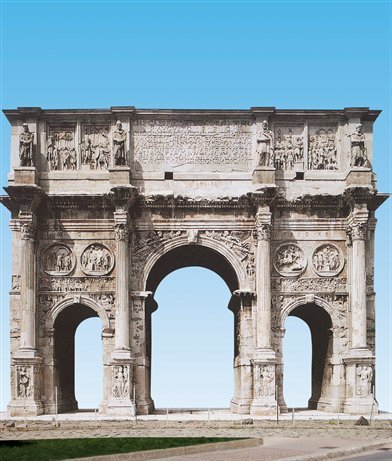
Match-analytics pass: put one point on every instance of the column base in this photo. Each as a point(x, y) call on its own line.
point(240, 406)
point(145, 407)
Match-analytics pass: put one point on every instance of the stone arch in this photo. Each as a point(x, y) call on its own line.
point(321, 319)
point(307, 299)
point(64, 319)
point(81, 300)
point(225, 252)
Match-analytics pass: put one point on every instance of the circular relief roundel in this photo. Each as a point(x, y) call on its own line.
point(327, 260)
point(289, 260)
point(58, 259)
point(97, 259)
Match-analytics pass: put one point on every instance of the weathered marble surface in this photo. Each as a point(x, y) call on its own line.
point(105, 203)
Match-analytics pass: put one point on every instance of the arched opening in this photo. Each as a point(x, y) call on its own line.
point(65, 326)
point(320, 325)
point(177, 297)
point(297, 346)
point(88, 364)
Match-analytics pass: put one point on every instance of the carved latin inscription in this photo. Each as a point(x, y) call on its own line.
point(184, 142)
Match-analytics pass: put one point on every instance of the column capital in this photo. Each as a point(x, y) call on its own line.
point(358, 225)
point(246, 296)
point(28, 225)
point(263, 225)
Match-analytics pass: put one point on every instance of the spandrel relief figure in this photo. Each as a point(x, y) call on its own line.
point(289, 260)
point(358, 149)
point(265, 145)
point(364, 380)
point(322, 151)
point(120, 387)
point(60, 150)
point(119, 138)
point(58, 260)
point(24, 383)
point(26, 146)
point(327, 260)
point(97, 260)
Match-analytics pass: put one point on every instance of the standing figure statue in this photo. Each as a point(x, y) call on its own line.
point(358, 150)
point(119, 138)
point(265, 145)
point(26, 146)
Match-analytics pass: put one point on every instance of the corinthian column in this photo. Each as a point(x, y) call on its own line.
point(263, 280)
point(122, 323)
point(358, 232)
point(28, 283)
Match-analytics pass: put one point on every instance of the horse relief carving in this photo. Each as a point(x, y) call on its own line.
point(289, 260)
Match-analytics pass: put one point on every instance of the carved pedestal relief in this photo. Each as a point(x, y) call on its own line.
point(24, 381)
point(122, 381)
point(264, 381)
point(364, 380)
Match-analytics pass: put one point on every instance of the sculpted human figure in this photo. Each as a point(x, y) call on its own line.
point(24, 382)
point(26, 146)
point(265, 143)
point(358, 150)
point(364, 380)
point(119, 138)
point(52, 154)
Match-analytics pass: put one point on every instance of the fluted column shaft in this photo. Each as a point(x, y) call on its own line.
point(263, 280)
point(122, 323)
point(358, 286)
point(28, 287)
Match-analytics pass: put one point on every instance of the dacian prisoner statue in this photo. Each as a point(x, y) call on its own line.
point(105, 203)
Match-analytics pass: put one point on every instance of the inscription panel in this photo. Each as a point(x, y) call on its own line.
point(193, 145)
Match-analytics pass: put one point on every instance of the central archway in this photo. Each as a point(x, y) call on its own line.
point(190, 256)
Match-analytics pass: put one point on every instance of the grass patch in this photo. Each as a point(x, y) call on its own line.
point(57, 449)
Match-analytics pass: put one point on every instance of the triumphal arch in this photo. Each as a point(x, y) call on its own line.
point(106, 202)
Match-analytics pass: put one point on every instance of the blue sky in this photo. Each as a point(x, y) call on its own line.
point(202, 55)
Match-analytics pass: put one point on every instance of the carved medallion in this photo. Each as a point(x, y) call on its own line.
point(97, 259)
point(58, 259)
point(289, 260)
point(327, 260)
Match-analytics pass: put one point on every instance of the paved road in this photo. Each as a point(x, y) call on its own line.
point(379, 455)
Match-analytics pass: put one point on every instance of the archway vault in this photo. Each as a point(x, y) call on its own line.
point(208, 253)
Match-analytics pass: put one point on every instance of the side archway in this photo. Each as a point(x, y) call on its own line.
point(319, 316)
point(64, 319)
